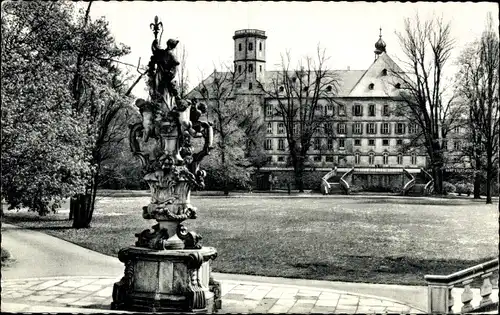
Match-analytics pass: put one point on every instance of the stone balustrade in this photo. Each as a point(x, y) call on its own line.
point(442, 297)
point(408, 184)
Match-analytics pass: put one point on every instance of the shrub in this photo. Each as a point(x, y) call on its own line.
point(464, 188)
point(355, 188)
point(448, 188)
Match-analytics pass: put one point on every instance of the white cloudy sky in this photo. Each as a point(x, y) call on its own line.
point(347, 31)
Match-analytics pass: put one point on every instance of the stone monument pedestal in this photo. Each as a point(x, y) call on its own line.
point(167, 281)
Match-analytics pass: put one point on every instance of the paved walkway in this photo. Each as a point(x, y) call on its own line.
point(94, 293)
point(52, 275)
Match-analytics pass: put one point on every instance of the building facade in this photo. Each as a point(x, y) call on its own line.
point(367, 131)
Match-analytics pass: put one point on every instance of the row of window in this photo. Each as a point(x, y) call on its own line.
point(357, 128)
point(250, 46)
point(268, 144)
point(250, 68)
point(357, 158)
point(357, 110)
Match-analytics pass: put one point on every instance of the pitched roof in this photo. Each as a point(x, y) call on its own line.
point(350, 83)
point(383, 84)
point(345, 79)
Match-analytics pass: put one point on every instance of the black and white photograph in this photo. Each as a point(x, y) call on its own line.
point(250, 157)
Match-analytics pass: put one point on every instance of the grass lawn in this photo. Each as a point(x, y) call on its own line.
point(378, 240)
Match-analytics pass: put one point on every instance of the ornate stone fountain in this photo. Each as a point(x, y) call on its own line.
point(168, 269)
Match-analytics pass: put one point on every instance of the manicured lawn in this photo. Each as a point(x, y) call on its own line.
point(347, 239)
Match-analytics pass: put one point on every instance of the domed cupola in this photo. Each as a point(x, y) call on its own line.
point(379, 45)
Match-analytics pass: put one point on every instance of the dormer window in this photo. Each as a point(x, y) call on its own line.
point(384, 72)
point(371, 86)
point(329, 88)
point(398, 85)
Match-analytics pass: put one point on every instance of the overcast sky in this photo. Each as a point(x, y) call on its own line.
point(348, 31)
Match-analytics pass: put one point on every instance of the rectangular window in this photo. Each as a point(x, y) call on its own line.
point(400, 128)
point(412, 128)
point(269, 110)
point(445, 145)
point(399, 142)
point(385, 142)
point(239, 70)
point(357, 128)
point(414, 159)
point(341, 128)
point(316, 143)
point(371, 142)
point(317, 158)
point(281, 144)
point(238, 84)
point(341, 110)
point(250, 86)
point(371, 110)
point(357, 110)
point(341, 143)
point(385, 110)
point(296, 129)
point(328, 128)
point(400, 159)
point(385, 129)
point(239, 47)
point(268, 145)
point(329, 108)
point(270, 128)
point(250, 68)
point(356, 158)
point(281, 159)
point(269, 159)
point(260, 46)
point(370, 128)
point(250, 46)
point(281, 128)
point(329, 144)
point(260, 68)
point(329, 158)
point(357, 142)
point(386, 159)
point(457, 145)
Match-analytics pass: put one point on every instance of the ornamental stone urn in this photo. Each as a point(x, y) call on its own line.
point(168, 270)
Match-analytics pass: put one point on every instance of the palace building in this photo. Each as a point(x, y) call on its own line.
point(367, 130)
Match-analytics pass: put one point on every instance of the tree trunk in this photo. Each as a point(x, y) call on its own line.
point(489, 175)
point(477, 185)
point(82, 210)
point(71, 209)
point(437, 175)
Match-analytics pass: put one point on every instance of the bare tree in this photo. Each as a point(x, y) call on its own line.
point(427, 46)
point(478, 86)
point(182, 71)
point(298, 97)
point(228, 113)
